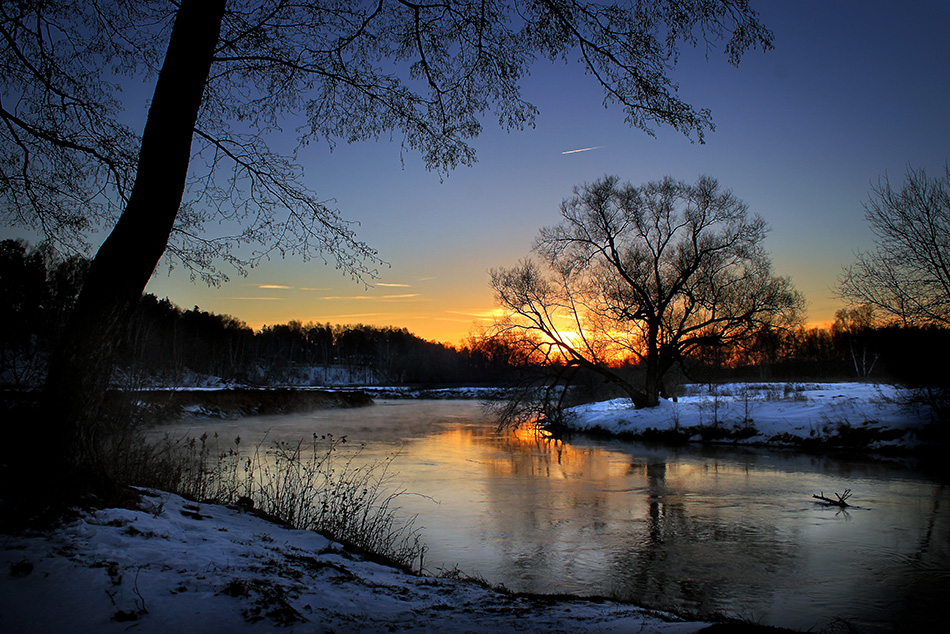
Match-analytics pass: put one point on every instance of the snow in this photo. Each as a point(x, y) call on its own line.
point(460, 393)
point(176, 566)
point(767, 413)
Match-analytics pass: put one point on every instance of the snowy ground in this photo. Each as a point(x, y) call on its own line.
point(175, 566)
point(874, 416)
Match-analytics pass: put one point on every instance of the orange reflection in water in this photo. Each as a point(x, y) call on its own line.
point(523, 451)
point(697, 529)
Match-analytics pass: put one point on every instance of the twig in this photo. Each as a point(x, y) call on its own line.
point(841, 501)
point(135, 587)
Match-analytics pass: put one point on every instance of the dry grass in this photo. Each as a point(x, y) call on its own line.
point(319, 485)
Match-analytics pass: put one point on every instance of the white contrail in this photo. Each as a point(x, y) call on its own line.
point(583, 149)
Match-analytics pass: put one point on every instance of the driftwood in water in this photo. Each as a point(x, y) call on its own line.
point(841, 501)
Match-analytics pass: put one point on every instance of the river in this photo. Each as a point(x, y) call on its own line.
point(696, 530)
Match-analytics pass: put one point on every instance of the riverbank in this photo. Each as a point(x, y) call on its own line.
point(854, 416)
point(177, 560)
point(246, 401)
point(168, 564)
point(162, 404)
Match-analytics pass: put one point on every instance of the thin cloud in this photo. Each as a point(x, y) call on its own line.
point(312, 288)
point(373, 297)
point(265, 299)
point(354, 316)
point(480, 314)
point(392, 285)
point(583, 149)
point(468, 316)
point(280, 286)
point(454, 320)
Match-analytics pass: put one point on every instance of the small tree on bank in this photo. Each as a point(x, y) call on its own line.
point(855, 326)
point(650, 274)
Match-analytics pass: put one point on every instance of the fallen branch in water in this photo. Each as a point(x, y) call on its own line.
point(839, 502)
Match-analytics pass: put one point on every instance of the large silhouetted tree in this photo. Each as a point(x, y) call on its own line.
point(906, 278)
point(229, 75)
point(652, 273)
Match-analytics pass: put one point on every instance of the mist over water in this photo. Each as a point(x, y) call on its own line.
point(695, 530)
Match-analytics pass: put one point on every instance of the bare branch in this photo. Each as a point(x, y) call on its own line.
point(907, 276)
point(654, 273)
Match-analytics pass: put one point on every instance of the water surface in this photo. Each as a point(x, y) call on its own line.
point(700, 531)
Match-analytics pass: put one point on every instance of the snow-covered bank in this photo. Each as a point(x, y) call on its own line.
point(446, 393)
point(873, 416)
point(175, 566)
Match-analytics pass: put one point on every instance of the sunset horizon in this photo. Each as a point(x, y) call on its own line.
point(802, 134)
point(475, 316)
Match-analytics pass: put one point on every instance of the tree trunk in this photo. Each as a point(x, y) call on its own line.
point(81, 366)
point(638, 397)
point(651, 385)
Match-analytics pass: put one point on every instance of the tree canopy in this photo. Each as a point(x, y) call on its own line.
point(230, 77)
point(906, 278)
point(426, 73)
point(651, 274)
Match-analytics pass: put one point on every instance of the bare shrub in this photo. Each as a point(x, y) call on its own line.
point(311, 485)
point(794, 392)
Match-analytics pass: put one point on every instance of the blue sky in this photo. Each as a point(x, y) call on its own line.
point(853, 90)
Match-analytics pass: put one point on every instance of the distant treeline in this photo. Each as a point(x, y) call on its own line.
point(166, 341)
point(852, 348)
point(165, 344)
point(37, 290)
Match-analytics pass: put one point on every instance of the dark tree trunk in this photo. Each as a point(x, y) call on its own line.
point(81, 366)
point(651, 385)
point(639, 398)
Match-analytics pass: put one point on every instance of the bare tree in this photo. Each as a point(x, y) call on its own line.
point(651, 273)
point(230, 75)
point(906, 278)
point(855, 325)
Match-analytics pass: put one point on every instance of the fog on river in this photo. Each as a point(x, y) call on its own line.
point(696, 530)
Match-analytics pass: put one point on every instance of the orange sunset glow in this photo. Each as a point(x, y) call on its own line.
point(451, 316)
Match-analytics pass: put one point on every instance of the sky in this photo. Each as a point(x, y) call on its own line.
point(852, 91)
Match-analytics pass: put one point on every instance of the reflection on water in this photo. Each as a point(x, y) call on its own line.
point(695, 530)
